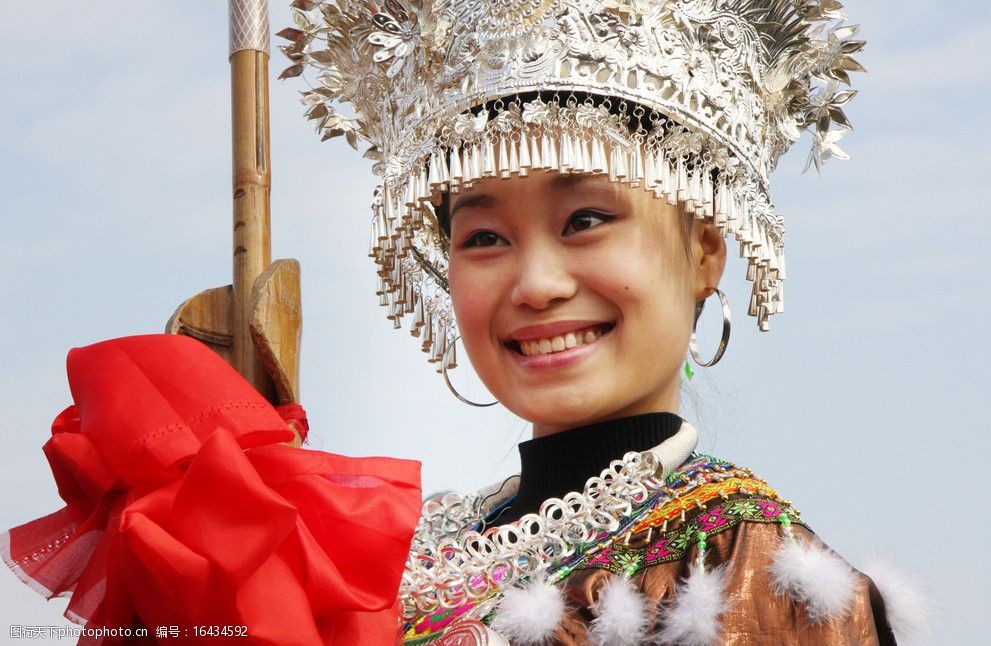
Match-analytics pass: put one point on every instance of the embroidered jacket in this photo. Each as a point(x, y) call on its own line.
point(739, 524)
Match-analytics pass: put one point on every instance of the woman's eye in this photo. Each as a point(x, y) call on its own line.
point(482, 239)
point(582, 220)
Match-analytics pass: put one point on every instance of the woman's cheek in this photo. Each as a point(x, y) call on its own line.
point(469, 304)
point(474, 311)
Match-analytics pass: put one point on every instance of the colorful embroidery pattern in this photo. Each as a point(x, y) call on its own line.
point(706, 495)
point(711, 496)
point(431, 626)
point(675, 544)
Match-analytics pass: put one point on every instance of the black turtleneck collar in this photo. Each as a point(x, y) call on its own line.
point(553, 465)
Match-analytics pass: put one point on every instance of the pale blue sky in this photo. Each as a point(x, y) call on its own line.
point(862, 404)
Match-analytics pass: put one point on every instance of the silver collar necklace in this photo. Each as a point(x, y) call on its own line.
point(451, 562)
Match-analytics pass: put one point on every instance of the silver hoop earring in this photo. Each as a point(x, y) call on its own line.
point(447, 380)
point(693, 348)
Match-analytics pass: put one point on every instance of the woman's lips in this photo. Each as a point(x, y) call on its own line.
point(543, 353)
point(560, 342)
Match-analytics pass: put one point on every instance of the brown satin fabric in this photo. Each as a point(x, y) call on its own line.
point(754, 615)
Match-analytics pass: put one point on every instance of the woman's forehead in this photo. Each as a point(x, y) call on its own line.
point(493, 191)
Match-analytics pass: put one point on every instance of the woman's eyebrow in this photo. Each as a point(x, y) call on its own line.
point(482, 199)
point(565, 182)
point(590, 186)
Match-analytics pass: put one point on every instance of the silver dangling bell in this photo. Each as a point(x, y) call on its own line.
point(525, 162)
point(536, 159)
point(488, 162)
point(456, 172)
point(566, 154)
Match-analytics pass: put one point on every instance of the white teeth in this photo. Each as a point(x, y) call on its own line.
point(559, 343)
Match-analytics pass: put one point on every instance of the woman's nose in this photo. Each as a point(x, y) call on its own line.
point(542, 277)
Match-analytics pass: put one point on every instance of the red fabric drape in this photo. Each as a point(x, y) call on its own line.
point(184, 509)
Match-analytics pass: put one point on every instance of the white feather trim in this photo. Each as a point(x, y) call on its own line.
point(909, 607)
point(529, 616)
point(691, 618)
point(815, 577)
point(621, 614)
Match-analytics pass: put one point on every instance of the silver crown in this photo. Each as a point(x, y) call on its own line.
point(694, 100)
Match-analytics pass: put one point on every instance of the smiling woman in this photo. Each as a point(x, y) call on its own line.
point(589, 295)
point(557, 181)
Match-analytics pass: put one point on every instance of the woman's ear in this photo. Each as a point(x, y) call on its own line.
point(710, 257)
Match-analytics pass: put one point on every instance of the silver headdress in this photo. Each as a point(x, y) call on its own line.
point(694, 100)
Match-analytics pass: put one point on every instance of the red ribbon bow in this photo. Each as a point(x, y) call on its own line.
point(184, 509)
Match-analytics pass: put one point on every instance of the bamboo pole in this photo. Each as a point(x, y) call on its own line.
point(255, 323)
point(252, 248)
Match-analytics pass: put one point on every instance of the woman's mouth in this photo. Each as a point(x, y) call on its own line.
point(561, 342)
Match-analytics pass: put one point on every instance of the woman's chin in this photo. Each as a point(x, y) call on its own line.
point(559, 412)
point(554, 409)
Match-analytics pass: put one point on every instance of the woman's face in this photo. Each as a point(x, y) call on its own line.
point(575, 296)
